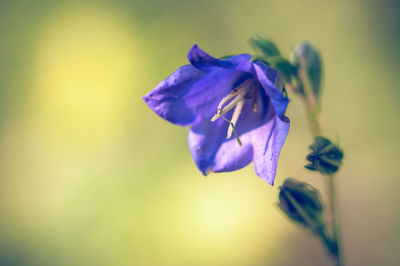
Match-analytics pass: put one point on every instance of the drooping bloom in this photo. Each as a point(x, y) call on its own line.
point(235, 108)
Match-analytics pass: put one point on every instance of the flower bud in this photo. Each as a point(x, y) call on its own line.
point(325, 157)
point(302, 204)
point(307, 58)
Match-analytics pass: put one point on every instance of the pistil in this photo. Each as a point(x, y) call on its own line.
point(235, 117)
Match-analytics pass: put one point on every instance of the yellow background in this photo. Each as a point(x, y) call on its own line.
point(90, 176)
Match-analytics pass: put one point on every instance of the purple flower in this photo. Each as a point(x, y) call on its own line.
point(219, 97)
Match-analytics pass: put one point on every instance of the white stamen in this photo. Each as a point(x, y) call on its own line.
point(242, 93)
point(230, 106)
point(226, 98)
point(235, 118)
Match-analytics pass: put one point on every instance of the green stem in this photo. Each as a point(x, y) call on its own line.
point(316, 127)
point(335, 219)
point(315, 120)
point(329, 244)
point(334, 243)
point(314, 116)
point(310, 103)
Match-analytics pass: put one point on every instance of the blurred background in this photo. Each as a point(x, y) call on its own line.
point(90, 176)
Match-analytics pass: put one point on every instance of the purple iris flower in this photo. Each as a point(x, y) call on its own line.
point(235, 108)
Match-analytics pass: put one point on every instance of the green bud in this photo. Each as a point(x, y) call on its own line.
point(325, 157)
point(307, 58)
point(302, 204)
point(265, 46)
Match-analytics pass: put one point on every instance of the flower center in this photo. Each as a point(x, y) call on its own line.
point(237, 98)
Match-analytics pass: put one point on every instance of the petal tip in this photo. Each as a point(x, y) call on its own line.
point(146, 98)
point(208, 171)
point(203, 61)
point(268, 178)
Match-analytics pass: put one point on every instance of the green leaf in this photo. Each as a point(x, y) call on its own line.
point(265, 46)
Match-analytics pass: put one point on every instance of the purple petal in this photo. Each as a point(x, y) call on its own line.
point(269, 79)
point(201, 60)
point(212, 152)
point(210, 149)
point(205, 94)
point(267, 76)
point(268, 142)
point(204, 140)
point(167, 98)
point(189, 93)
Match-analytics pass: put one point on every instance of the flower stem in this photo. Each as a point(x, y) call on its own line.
point(327, 242)
point(335, 219)
point(314, 116)
point(332, 243)
point(329, 238)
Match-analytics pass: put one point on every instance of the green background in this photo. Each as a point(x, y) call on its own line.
point(90, 176)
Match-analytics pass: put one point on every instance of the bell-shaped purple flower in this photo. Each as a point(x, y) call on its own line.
point(219, 99)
